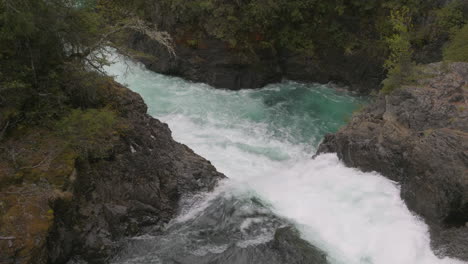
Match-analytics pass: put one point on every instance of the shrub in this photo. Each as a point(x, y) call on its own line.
point(457, 49)
point(91, 132)
point(399, 63)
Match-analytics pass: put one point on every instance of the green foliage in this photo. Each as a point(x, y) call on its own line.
point(399, 63)
point(48, 61)
point(193, 43)
point(300, 25)
point(84, 88)
point(311, 27)
point(91, 132)
point(450, 17)
point(457, 49)
point(35, 37)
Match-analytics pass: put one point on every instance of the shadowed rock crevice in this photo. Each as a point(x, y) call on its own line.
point(458, 217)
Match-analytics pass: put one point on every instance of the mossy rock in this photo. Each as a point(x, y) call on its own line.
point(26, 218)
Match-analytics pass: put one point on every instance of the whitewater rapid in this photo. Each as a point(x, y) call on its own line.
point(263, 140)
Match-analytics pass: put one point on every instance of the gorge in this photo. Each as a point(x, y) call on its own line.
point(233, 132)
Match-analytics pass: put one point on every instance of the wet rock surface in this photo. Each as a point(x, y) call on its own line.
point(418, 136)
point(229, 230)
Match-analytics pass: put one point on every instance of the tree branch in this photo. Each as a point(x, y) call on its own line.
point(136, 24)
point(37, 165)
point(2, 133)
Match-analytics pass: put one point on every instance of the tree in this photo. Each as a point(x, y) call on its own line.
point(399, 63)
point(457, 49)
point(44, 43)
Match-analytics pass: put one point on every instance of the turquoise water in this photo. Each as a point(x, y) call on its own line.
point(263, 140)
point(296, 112)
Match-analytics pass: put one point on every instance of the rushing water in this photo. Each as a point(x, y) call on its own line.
point(263, 140)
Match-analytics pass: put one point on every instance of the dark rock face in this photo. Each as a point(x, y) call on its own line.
point(418, 136)
point(361, 71)
point(212, 61)
point(136, 188)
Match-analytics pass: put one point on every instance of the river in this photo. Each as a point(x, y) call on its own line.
point(264, 140)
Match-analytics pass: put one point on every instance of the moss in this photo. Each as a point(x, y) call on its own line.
point(35, 156)
point(428, 132)
point(25, 215)
point(421, 72)
point(193, 43)
point(90, 132)
point(57, 173)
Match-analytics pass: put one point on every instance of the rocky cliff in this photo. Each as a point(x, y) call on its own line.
point(202, 55)
point(212, 61)
point(418, 137)
point(249, 44)
point(79, 209)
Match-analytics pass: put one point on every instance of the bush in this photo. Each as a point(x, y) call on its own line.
point(457, 49)
point(91, 132)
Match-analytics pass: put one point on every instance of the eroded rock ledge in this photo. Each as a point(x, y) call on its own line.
point(418, 136)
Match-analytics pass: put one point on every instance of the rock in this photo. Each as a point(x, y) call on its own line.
point(214, 63)
point(230, 230)
point(201, 57)
point(68, 209)
point(205, 55)
point(418, 136)
point(360, 72)
point(293, 249)
point(211, 62)
point(128, 191)
point(286, 247)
